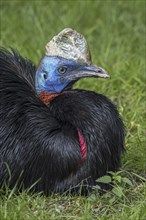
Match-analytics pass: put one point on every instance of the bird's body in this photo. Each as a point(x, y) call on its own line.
point(43, 144)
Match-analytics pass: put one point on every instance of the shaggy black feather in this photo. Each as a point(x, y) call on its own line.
point(40, 144)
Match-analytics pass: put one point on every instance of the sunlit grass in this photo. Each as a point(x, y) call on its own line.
point(115, 33)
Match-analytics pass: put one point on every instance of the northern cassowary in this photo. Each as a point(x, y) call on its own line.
point(51, 135)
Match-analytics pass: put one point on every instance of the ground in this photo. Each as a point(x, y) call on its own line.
point(115, 32)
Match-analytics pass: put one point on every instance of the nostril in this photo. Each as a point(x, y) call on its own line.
point(100, 71)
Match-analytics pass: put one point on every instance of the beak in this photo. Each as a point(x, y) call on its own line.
point(87, 71)
point(92, 71)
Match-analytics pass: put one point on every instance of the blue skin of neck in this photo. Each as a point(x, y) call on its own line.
point(48, 75)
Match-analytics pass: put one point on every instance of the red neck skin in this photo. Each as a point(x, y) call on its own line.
point(46, 98)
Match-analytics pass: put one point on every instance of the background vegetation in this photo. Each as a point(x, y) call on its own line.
point(115, 32)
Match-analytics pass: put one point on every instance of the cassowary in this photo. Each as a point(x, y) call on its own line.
point(51, 135)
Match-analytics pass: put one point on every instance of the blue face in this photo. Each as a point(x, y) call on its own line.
point(55, 74)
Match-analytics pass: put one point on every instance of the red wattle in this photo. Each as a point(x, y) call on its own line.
point(82, 145)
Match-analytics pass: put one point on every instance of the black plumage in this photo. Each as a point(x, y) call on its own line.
point(40, 144)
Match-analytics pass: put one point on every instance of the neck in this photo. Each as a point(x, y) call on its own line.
point(46, 98)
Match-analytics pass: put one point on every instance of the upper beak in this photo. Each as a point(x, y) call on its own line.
point(88, 71)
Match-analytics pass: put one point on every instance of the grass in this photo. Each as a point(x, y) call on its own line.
point(115, 32)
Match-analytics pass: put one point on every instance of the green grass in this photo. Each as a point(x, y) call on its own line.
point(115, 31)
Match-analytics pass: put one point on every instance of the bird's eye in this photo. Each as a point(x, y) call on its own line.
point(45, 76)
point(62, 69)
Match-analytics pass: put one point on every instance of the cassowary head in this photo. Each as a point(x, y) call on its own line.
point(67, 60)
